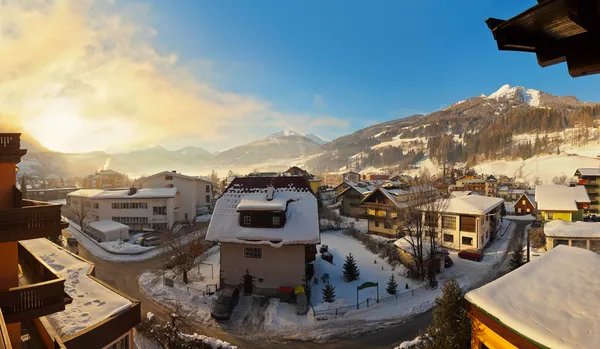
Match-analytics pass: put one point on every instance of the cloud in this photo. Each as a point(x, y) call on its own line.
point(79, 76)
point(318, 100)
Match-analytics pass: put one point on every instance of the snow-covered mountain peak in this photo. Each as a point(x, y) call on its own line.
point(529, 96)
point(283, 133)
point(316, 138)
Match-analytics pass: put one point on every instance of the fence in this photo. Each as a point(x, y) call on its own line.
point(341, 311)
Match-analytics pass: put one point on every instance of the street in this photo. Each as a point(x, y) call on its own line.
point(124, 276)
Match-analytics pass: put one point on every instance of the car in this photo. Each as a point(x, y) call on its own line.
point(472, 254)
point(225, 304)
point(151, 241)
point(448, 262)
point(139, 240)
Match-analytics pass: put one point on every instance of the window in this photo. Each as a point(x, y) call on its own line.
point(449, 222)
point(467, 241)
point(376, 224)
point(558, 242)
point(207, 199)
point(276, 220)
point(431, 219)
point(595, 245)
point(387, 225)
point(96, 205)
point(528, 210)
point(482, 239)
point(522, 202)
point(579, 243)
point(168, 178)
point(448, 238)
point(122, 343)
point(159, 210)
point(252, 252)
point(247, 220)
point(518, 210)
point(550, 216)
point(208, 188)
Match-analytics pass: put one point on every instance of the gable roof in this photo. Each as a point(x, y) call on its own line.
point(587, 172)
point(301, 223)
point(174, 174)
point(528, 198)
point(472, 204)
point(553, 197)
point(86, 193)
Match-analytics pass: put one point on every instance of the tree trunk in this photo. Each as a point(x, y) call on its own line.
point(185, 276)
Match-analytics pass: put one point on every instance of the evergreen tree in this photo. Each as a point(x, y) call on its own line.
point(350, 269)
point(502, 210)
point(451, 327)
point(516, 259)
point(392, 286)
point(328, 293)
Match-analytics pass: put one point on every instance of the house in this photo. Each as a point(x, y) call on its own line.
point(469, 221)
point(48, 194)
point(525, 205)
point(407, 253)
point(351, 176)
point(576, 234)
point(45, 301)
point(374, 177)
point(268, 229)
point(551, 302)
point(513, 194)
point(195, 192)
point(340, 188)
point(314, 182)
point(105, 179)
point(351, 199)
point(408, 180)
point(485, 187)
point(561, 202)
point(148, 208)
point(491, 184)
point(589, 178)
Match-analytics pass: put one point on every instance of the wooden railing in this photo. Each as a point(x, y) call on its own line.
point(10, 143)
point(34, 220)
point(43, 296)
point(4, 340)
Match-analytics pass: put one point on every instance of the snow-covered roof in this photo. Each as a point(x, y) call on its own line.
point(108, 172)
point(87, 193)
point(301, 223)
point(92, 301)
point(553, 300)
point(108, 226)
point(588, 171)
point(554, 197)
point(145, 193)
point(559, 228)
point(174, 174)
point(528, 197)
point(259, 202)
point(472, 204)
point(461, 193)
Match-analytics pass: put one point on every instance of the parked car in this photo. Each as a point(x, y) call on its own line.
point(151, 241)
point(448, 261)
point(225, 304)
point(139, 240)
point(472, 254)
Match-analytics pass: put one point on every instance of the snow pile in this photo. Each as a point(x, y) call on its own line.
point(213, 342)
point(520, 218)
point(203, 218)
point(92, 302)
point(559, 228)
point(410, 344)
point(552, 300)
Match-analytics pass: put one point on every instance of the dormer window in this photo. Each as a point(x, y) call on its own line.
point(276, 220)
point(247, 220)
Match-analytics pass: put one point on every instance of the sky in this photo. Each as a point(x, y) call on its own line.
point(118, 75)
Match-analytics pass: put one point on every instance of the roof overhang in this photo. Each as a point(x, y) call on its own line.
point(556, 31)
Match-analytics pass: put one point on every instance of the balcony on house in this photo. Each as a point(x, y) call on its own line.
point(4, 340)
point(41, 290)
point(30, 220)
point(10, 147)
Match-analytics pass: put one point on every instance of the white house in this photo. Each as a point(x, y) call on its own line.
point(108, 230)
point(195, 192)
point(576, 234)
point(144, 208)
point(268, 228)
point(469, 221)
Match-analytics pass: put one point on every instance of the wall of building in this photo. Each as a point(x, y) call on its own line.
point(480, 238)
point(381, 229)
point(284, 266)
point(484, 335)
point(565, 216)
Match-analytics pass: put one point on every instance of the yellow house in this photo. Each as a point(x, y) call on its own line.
point(380, 207)
point(561, 202)
point(551, 302)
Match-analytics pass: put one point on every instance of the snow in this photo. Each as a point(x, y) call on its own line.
point(560, 228)
point(58, 201)
point(530, 96)
point(409, 344)
point(554, 197)
point(520, 218)
point(86, 193)
point(145, 193)
point(92, 302)
point(259, 202)
point(471, 204)
point(301, 223)
point(124, 247)
point(589, 171)
point(552, 300)
point(204, 218)
point(399, 142)
point(461, 193)
point(108, 226)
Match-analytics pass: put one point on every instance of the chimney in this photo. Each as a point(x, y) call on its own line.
point(270, 192)
point(132, 191)
point(174, 171)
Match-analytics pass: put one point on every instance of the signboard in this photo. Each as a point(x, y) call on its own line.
point(366, 285)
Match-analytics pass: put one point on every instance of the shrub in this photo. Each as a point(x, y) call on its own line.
point(537, 238)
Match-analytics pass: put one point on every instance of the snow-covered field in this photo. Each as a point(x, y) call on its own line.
point(124, 247)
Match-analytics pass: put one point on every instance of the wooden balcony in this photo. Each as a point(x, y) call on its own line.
point(41, 291)
point(10, 147)
point(4, 340)
point(34, 220)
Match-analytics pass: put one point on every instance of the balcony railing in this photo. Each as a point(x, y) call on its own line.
point(10, 147)
point(34, 220)
point(4, 340)
point(42, 292)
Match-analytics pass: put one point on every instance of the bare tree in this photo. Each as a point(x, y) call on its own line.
point(417, 221)
point(184, 251)
point(81, 209)
point(562, 180)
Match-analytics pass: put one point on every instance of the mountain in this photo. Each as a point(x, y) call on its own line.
point(317, 139)
point(280, 145)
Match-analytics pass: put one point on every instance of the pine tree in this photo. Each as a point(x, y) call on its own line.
point(350, 269)
point(451, 326)
point(392, 286)
point(328, 293)
point(516, 259)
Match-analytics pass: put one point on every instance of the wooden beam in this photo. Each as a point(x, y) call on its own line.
point(585, 13)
